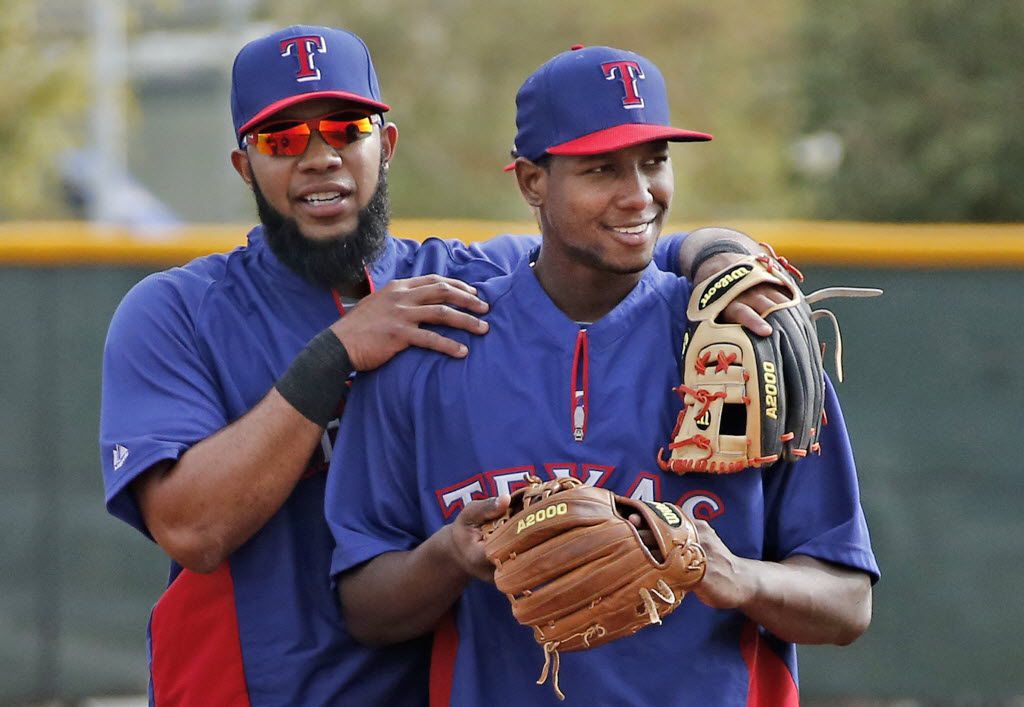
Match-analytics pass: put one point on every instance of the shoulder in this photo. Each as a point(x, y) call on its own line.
point(670, 289)
point(496, 292)
point(470, 262)
point(666, 252)
point(411, 366)
point(505, 247)
point(174, 297)
point(393, 386)
point(176, 288)
point(496, 289)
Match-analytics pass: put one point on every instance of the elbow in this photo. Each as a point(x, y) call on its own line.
point(857, 621)
point(203, 563)
point(849, 634)
point(195, 551)
point(362, 620)
point(853, 630)
point(367, 633)
point(365, 630)
point(378, 633)
point(193, 535)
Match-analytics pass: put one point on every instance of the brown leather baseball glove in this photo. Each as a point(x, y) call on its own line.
point(577, 570)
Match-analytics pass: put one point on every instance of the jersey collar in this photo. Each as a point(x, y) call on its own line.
point(538, 306)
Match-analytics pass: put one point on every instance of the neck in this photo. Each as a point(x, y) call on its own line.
point(353, 290)
point(583, 293)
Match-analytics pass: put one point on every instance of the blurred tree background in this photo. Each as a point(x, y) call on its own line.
point(451, 69)
point(851, 109)
point(927, 97)
point(42, 101)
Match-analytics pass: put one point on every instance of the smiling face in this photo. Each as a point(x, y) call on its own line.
point(602, 212)
point(324, 188)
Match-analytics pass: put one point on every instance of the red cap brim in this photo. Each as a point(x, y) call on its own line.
point(302, 98)
point(620, 136)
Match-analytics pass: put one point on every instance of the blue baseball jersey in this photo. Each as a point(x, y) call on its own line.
point(190, 350)
point(542, 395)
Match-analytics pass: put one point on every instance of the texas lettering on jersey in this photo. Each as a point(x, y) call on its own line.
point(646, 486)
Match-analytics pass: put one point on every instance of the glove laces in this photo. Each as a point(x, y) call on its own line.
point(663, 592)
point(703, 396)
point(552, 660)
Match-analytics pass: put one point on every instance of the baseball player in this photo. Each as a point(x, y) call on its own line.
point(575, 379)
point(223, 382)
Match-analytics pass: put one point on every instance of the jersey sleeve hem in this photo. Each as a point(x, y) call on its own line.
point(854, 557)
point(666, 253)
point(352, 549)
point(121, 503)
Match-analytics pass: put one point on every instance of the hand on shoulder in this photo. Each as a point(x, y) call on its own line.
point(388, 321)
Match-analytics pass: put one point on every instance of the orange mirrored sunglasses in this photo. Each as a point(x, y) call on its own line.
point(290, 138)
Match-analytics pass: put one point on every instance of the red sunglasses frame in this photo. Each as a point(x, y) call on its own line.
point(278, 142)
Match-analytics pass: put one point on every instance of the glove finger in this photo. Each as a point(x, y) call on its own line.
point(581, 587)
point(797, 381)
point(536, 566)
point(544, 520)
point(815, 374)
point(817, 369)
point(771, 383)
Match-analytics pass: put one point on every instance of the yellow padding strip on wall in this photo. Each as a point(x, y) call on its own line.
point(58, 244)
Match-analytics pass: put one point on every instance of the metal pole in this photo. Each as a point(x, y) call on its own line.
point(109, 57)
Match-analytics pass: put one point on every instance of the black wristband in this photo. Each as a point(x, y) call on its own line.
point(315, 382)
point(711, 250)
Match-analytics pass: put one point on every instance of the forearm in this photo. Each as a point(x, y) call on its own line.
point(398, 596)
point(227, 486)
point(804, 600)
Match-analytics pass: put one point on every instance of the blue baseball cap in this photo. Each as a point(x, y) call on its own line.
point(297, 64)
point(590, 100)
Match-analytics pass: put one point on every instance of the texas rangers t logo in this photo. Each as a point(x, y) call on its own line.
point(627, 72)
point(304, 48)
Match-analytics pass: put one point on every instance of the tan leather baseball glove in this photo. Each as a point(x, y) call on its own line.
point(749, 400)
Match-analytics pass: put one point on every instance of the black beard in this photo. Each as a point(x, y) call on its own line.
point(339, 260)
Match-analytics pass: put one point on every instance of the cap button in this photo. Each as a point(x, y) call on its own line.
point(576, 47)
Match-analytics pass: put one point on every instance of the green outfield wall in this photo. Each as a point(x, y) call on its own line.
point(932, 398)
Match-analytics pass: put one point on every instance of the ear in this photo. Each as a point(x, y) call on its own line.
point(240, 161)
point(533, 181)
point(388, 141)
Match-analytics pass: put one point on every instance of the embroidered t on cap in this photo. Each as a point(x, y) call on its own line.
point(297, 64)
point(591, 100)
